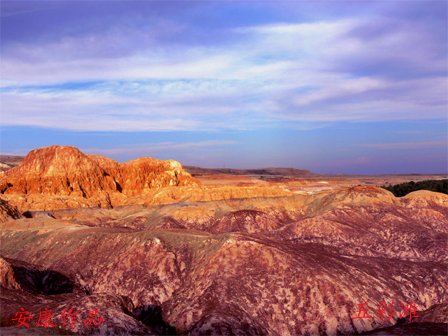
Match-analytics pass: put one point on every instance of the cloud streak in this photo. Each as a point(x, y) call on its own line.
point(159, 147)
point(408, 145)
point(136, 74)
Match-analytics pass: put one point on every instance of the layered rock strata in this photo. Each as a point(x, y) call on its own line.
point(172, 256)
point(66, 171)
point(294, 265)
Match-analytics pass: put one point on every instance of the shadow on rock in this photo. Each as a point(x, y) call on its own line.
point(44, 282)
point(151, 315)
point(37, 214)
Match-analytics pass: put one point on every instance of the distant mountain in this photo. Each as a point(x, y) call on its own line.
point(10, 161)
point(260, 171)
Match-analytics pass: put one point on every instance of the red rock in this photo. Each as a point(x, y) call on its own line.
point(58, 170)
point(143, 175)
point(7, 276)
point(285, 265)
point(116, 312)
point(237, 282)
point(8, 211)
point(66, 171)
point(26, 286)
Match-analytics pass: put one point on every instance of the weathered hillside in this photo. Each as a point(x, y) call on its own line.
point(290, 265)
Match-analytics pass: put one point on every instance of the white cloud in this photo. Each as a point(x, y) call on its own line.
point(276, 73)
point(158, 147)
point(408, 145)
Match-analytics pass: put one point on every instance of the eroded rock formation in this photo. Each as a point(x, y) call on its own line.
point(66, 171)
point(8, 211)
point(291, 265)
point(175, 257)
point(62, 177)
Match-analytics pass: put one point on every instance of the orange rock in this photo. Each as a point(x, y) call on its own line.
point(142, 175)
point(7, 275)
point(8, 211)
point(66, 171)
point(57, 170)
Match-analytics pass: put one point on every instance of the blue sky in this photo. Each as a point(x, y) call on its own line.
point(354, 87)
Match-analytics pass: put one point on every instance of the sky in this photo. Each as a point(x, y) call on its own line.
point(351, 87)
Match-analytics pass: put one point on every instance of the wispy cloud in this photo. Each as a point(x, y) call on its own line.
point(19, 152)
point(408, 145)
point(152, 76)
point(148, 149)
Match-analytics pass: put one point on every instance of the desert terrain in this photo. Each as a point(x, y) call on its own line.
point(156, 248)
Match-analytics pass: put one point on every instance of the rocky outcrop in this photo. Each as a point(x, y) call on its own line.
point(168, 195)
point(17, 274)
point(116, 312)
point(66, 171)
point(237, 282)
point(8, 277)
point(26, 286)
point(142, 175)
point(58, 170)
point(8, 211)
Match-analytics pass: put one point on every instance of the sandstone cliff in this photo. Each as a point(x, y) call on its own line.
point(66, 171)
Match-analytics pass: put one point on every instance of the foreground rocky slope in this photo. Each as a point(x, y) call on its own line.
point(155, 252)
point(289, 265)
point(23, 285)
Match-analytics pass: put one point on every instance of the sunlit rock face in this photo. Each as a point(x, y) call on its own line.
point(172, 257)
point(66, 171)
point(8, 211)
point(58, 170)
point(145, 174)
point(7, 275)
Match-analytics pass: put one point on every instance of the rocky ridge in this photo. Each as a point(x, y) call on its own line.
point(66, 171)
point(290, 265)
point(260, 171)
point(194, 260)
